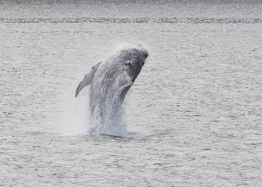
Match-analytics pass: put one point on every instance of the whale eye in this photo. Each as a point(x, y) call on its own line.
point(128, 62)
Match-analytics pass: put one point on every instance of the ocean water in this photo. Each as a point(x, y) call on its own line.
point(193, 115)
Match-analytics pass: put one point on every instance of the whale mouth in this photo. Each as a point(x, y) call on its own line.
point(144, 51)
point(145, 55)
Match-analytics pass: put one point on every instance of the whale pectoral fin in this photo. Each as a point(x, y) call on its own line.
point(87, 79)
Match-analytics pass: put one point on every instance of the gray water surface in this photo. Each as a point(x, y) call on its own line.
point(193, 114)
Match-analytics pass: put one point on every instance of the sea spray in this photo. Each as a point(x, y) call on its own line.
point(78, 122)
point(108, 120)
point(77, 117)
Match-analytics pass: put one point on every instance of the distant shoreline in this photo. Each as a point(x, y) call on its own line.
point(193, 20)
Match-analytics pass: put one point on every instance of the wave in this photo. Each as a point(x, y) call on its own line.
point(194, 20)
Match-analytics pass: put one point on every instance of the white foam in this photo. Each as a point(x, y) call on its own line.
point(77, 116)
point(110, 128)
point(76, 119)
point(111, 122)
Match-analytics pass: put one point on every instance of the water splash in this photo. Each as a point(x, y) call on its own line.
point(108, 120)
point(77, 118)
point(78, 122)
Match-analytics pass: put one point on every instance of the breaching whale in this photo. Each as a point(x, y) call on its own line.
point(109, 82)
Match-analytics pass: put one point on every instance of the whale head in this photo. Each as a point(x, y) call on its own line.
point(133, 58)
point(128, 59)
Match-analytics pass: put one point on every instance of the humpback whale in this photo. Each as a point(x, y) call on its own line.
point(109, 82)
